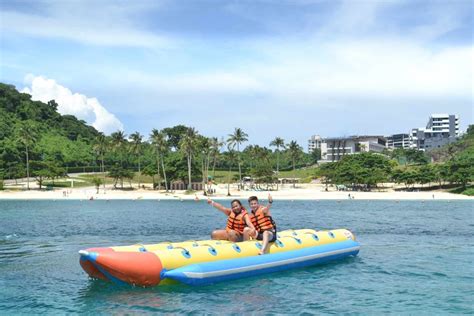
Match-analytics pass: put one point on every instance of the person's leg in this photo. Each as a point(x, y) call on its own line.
point(248, 232)
point(220, 234)
point(234, 236)
point(267, 235)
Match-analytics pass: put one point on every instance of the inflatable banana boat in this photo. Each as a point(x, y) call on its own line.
point(210, 261)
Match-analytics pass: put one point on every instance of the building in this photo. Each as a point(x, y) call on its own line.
point(314, 143)
point(398, 141)
point(441, 129)
point(333, 149)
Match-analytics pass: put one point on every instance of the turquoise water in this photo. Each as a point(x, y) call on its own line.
point(416, 257)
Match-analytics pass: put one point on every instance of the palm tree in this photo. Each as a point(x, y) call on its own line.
point(118, 142)
point(27, 136)
point(295, 153)
point(231, 156)
point(100, 147)
point(136, 148)
point(216, 148)
point(205, 148)
point(278, 142)
point(237, 139)
point(160, 143)
point(187, 145)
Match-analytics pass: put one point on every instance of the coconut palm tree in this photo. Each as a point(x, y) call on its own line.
point(205, 148)
point(160, 144)
point(231, 157)
point(136, 148)
point(236, 139)
point(118, 142)
point(187, 145)
point(295, 153)
point(216, 148)
point(100, 147)
point(27, 136)
point(278, 142)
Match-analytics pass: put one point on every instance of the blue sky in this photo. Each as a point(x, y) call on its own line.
point(274, 68)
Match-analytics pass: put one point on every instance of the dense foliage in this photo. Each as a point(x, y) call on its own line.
point(37, 141)
point(407, 166)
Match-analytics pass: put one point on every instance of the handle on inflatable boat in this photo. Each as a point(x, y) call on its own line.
point(293, 232)
point(314, 235)
point(236, 247)
point(295, 238)
point(185, 252)
point(142, 248)
point(211, 249)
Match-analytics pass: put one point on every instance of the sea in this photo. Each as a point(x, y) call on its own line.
point(416, 258)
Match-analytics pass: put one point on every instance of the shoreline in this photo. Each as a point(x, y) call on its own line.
point(307, 192)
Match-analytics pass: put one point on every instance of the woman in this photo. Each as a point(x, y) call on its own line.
point(237, 221)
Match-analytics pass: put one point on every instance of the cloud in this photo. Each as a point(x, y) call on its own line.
point(79, 105)
point(107, 25)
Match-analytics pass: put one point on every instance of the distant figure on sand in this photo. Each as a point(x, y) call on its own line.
point(237, 221)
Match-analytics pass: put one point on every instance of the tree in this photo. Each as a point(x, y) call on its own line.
point(100, 147)
point(136, 148)
point(216, 148)
point(278, 142)
point(97, 182)
point(27, 136)
point(263, 170)
point(231, 157)
point(118, 173)
point(236, 139)
point(187, 145)
point(295, 152)
point(174, 135)
point(118, 142)
point(316, 155)
point(461, 169)
point(327, 171)
point(160, 144)
point(426, 174)
point(205, 148)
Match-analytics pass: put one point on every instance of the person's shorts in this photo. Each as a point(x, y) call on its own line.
point(273, 231)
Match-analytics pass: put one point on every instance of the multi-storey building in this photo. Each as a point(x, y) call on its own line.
point(440, 130)
point(314, 143)
point(398, 141)
point(333, 149)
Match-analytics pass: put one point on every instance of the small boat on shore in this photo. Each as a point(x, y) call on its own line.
point(210, 261)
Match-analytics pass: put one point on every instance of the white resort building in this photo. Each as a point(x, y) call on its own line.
point(314, 143)
point(333, 149)
point(440, 130)
point(398, 141)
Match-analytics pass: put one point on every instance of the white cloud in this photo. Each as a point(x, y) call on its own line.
point(108, 25)
point(79, 105)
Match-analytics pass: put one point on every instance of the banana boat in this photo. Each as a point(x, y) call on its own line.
point(209, 261)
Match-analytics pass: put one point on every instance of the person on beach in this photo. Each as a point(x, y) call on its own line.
point(237, 221)
point(266, 230)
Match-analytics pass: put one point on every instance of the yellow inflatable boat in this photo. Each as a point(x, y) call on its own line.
point(208, 261)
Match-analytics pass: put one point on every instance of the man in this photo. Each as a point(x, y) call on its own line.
point(266, 230)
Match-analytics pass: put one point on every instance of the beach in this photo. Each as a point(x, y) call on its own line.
point(301, 192)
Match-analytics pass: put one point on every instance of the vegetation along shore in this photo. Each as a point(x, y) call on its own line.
point(45, 151)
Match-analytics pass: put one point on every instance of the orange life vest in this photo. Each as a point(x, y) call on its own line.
point(261, 221)
point(236, 221)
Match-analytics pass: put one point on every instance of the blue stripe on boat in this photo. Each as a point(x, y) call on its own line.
point(217, 271)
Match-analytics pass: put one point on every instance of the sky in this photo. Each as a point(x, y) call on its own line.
point(273, 68)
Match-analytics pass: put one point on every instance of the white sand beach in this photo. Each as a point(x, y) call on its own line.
point(301, 192)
